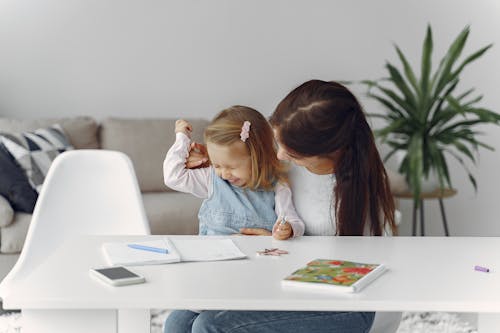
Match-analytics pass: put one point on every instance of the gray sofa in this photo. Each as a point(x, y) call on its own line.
point(145, 141)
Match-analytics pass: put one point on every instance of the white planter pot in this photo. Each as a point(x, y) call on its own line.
point(431, 183)
point(427, 184)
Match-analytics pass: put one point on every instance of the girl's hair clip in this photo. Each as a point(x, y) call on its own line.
point(244, 131)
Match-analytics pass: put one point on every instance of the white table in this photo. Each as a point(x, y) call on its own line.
point(425, 274)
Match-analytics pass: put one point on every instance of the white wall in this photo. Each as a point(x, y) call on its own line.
point(192, 58)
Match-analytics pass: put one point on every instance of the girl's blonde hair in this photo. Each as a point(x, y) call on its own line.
point(225, 129)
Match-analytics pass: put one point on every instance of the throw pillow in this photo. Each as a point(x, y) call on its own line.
point(14, 185)
point(35, 151)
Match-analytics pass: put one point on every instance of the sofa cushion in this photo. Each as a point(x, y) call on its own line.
point(172, 213)
point(81, 131)
point(35, 151)
point(13, 235)
point(146, 142)
point(6, 212)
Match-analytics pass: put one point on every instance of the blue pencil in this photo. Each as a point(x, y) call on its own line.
point(147, 248)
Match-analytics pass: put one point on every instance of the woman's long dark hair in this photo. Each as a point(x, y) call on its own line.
point(324, 119)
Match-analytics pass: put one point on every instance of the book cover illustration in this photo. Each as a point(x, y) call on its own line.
point(332, 272)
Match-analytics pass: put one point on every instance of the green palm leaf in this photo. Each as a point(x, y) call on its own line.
point(443, 77)
point(426, 64)
point(408, 71)
point(399, 81)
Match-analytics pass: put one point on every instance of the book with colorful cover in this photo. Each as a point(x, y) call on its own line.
point(334, 275)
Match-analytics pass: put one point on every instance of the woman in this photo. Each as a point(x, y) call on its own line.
point(339, 187)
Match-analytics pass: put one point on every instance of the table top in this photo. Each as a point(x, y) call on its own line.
point(425, 274)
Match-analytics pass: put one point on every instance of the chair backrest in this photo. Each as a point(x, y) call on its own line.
point(85, 192)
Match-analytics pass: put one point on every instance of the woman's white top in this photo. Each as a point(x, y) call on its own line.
point(313, 200)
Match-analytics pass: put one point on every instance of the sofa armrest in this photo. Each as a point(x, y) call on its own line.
point(14, 235)
point(6, 212)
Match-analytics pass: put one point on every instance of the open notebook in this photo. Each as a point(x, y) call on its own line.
point(203, 249)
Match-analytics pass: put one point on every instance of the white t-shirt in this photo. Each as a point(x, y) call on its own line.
point(312, 196)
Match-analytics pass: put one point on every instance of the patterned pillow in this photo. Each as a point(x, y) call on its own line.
point(14, 185)
point(35, 151)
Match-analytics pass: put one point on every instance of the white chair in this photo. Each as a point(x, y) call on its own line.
point(85, 192)
point(93, 192)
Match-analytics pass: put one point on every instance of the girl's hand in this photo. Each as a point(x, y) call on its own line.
point(198, 156)
point(282, 231)
point(255, 232)
point(182, 126)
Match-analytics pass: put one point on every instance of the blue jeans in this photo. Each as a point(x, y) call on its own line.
point(185, 321)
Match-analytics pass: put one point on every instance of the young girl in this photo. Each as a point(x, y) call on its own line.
point(245, 185)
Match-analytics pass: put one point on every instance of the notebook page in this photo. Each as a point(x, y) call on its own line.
point(207, 249)
point(120, 254)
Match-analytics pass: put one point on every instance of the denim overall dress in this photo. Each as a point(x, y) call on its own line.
point(230, 208)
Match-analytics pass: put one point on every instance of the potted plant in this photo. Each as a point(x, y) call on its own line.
point(427, 117)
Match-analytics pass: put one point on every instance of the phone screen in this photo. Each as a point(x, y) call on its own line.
point(115, 273)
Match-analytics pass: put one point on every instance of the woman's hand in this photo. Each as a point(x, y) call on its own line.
point(182, 126)
point(255, 232)
point(282, 231)
point(198, 156)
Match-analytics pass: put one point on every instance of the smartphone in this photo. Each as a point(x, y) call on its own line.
point(117, 275)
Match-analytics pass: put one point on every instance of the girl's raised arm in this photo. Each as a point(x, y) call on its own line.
point(180, 178)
